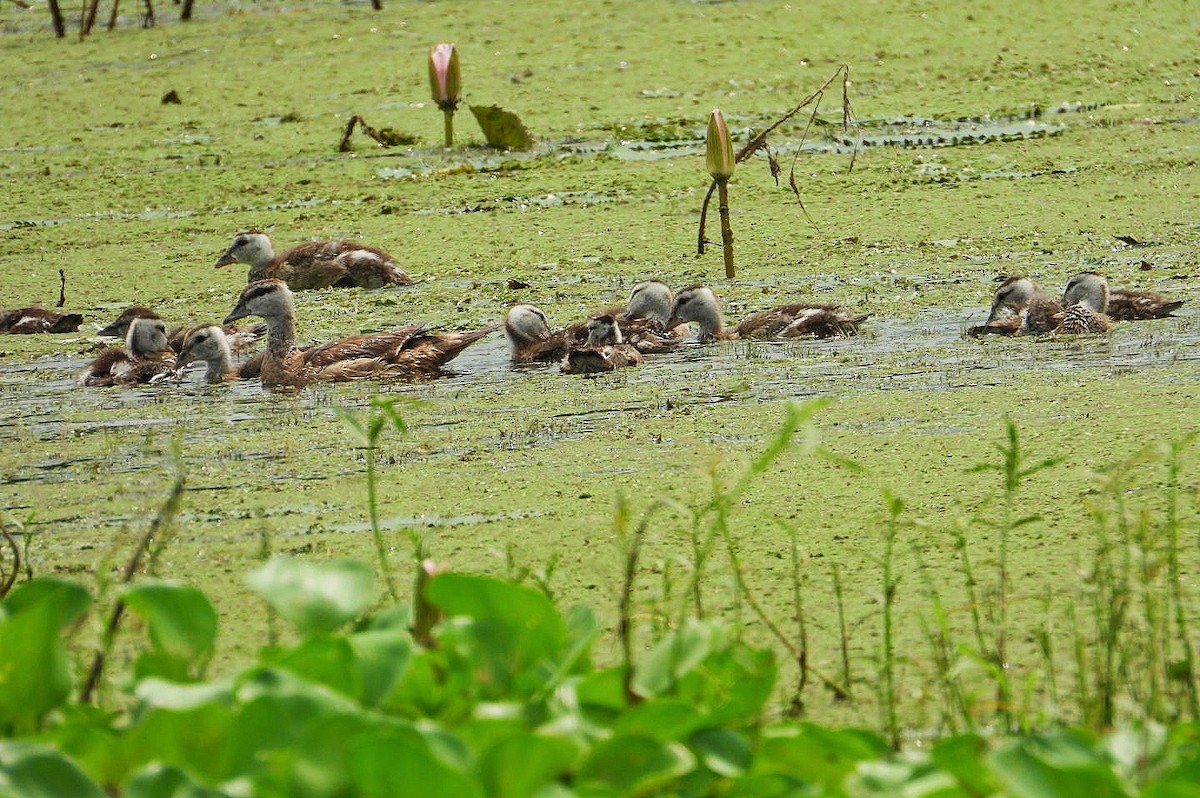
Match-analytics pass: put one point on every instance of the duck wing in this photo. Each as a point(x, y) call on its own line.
point(368, 267)
point(1132, 305)
point(821, 321)
point(383, 345)
point(100, 372)
point(427, 352)
point(597, 359)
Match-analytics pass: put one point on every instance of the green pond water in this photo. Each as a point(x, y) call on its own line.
point(995, 138)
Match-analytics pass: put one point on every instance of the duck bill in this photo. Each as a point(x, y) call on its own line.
point(111, 331)
point(226, 260)
point(239, 312)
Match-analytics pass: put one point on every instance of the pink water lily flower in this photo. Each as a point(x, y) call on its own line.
point(445, 77)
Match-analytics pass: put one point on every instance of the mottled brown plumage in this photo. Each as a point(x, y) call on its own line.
point(315, 264)
point(1131, 304)
point(1020, 307)
point(33, 320)
point(604, 350)
point(412, 352)
point(145, 358)
point(699, 304)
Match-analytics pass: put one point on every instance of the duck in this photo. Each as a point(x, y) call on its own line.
point(315, 264)
point(643, 321)
point(1084, 303)
point(698, 303)
point(412, 352)
point(1020, 307)
point(604, 350)
point(210, 344)
point(32, 320)
point(241, 338)
point(145, 358)
point(529, 337)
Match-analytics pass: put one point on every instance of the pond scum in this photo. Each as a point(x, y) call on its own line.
point(479, 686)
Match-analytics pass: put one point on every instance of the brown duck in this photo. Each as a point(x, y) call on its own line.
point(315, 264)
point(699, 304)
point(604, 350)
point(32, 320)
point(241, 338)
point(145, 358)
point(412, 352)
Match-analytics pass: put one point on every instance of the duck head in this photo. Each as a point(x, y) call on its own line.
point(251, 248)
point(525, 324)
point(651, 300)
point(119, 327)
point(602, 330)
point(270, 299)
point(146, 336)
point(698, 304)
point(208, 344)
point(1088, 289)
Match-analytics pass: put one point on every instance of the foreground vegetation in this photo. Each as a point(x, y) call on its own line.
point(473, 686)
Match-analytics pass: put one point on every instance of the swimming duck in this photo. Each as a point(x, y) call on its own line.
point(1083, 306)
point(530, 339)
point(699, 304)
point(26, 321)
point(240, 337)
point(1020, 307)
point(604, 350)
point(315, 264)
point(210, 345)
point(408, 353)
point(643, 322)
point(145, 358)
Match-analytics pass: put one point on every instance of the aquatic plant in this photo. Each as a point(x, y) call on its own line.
point(718, 158)
point(445, 82)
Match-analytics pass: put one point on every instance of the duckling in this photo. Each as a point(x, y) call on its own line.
point(1020, 307)
point(530, 339)
point(699, 304)
point(315, 264)
point(145, 358)
point(1084, 302)
point(605, 349)
point(408, 353)
point(241, 337)
point(643, 322)
point(209, 344)
point(26, 321)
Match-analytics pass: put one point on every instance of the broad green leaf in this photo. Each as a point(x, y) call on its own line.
point(35, 674)
point(382, 656)
point(315, 597)
point(522, 764)
point(815, 754)
point(1058, 764)
point(162, 694)
point(663, 719)
point(673, 656)
point(911, 778)
point(637, 765)
point(963, 756)
point(723, 751)
point(325, 660)
point(68, 597)
point(167, 781)
point(182, 625)
point(35, 770)
point(398, 768)
point(195, 739)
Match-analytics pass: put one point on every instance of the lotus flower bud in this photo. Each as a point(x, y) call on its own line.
point(445, 77)
point(718, 155)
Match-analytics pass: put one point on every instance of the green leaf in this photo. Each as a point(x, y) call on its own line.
point(315, 597)
point(325, 660)
point(523, 763)
point(382, 655)
point(674, 655)
point(35, 674)
point(663, 719)
point(963, 757)
point(814, 754)
point(723, 751)
point(182, 625)
point(377, 762)
point(1058, 764)
point(635, 765)
point(35, 770)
